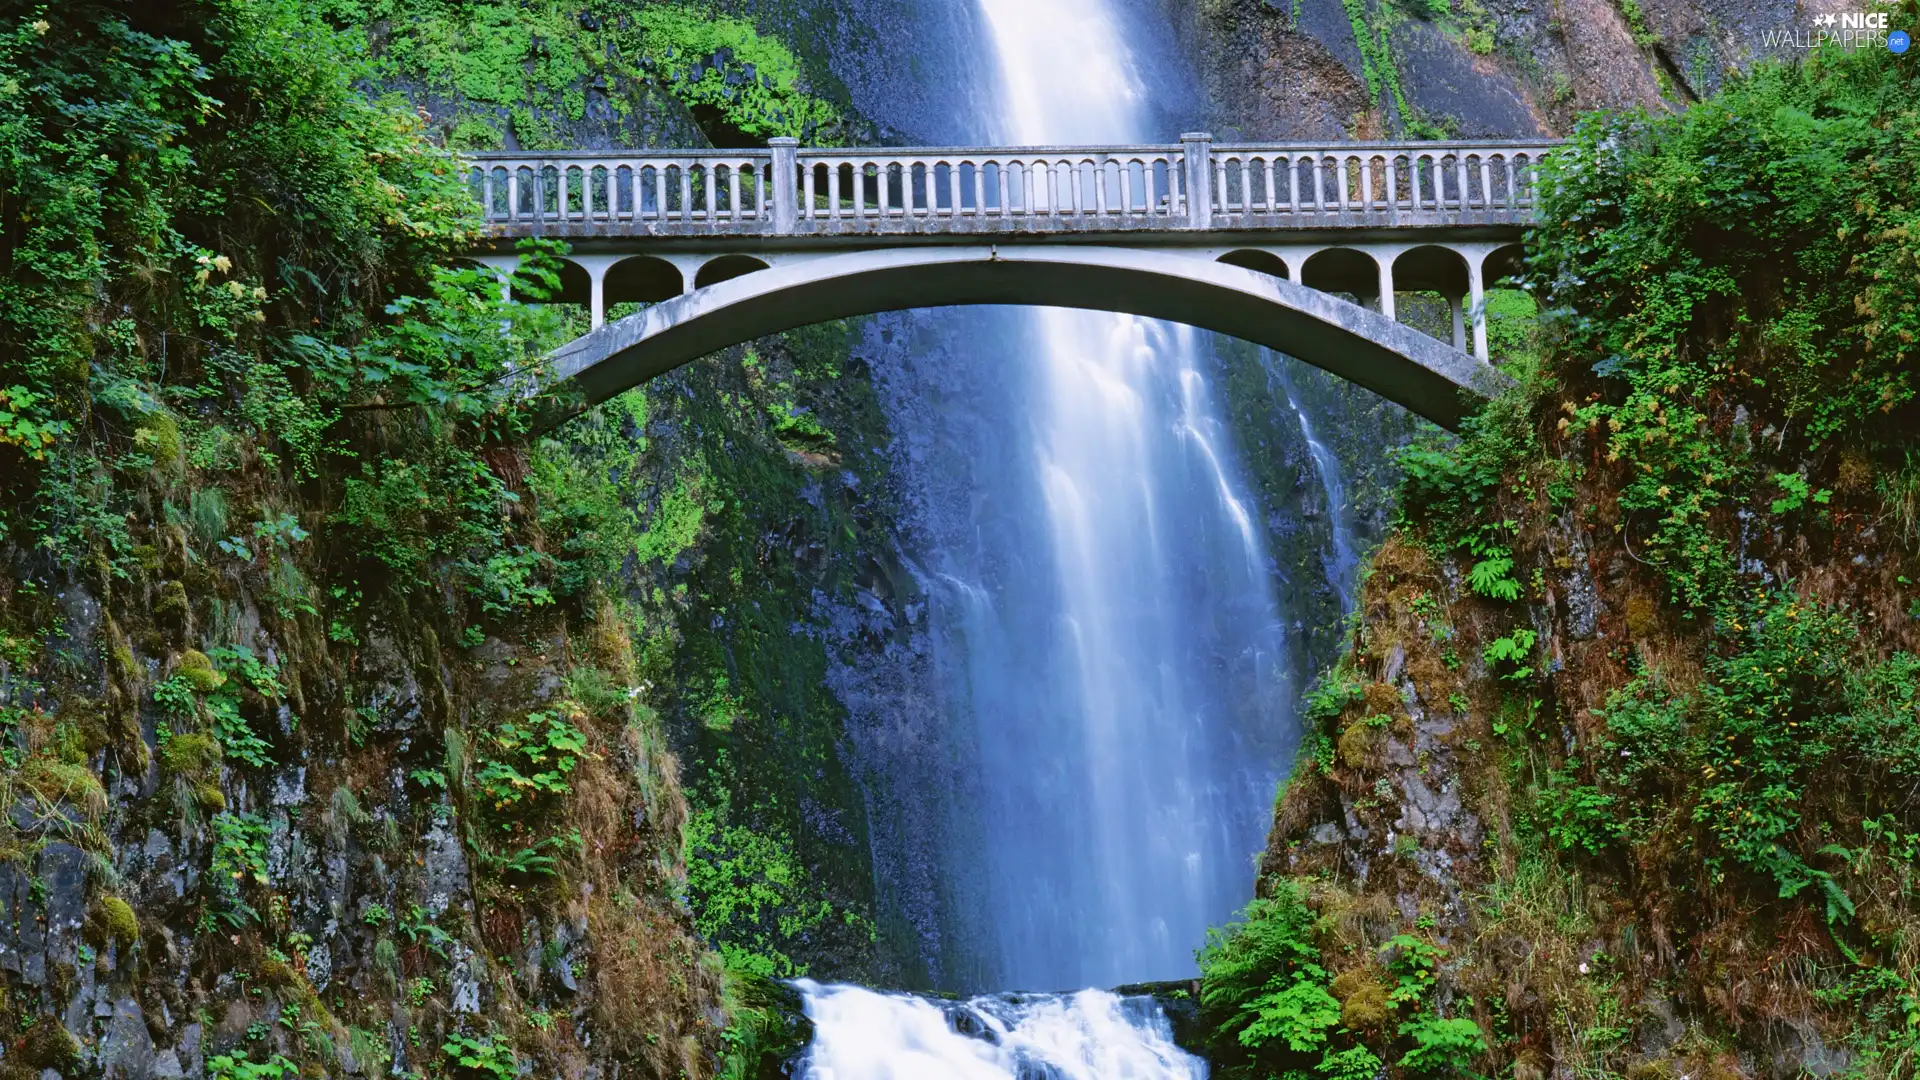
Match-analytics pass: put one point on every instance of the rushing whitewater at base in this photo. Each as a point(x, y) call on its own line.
point(1091, 1035)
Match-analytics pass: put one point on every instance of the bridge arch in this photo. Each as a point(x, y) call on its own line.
point(1344, 270)
point(1432, 268)
point(643, 279)
point(1502, 263)
point(726, 268)
point(1398, 362)
point(1266, 262)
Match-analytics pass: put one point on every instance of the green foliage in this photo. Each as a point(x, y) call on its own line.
point(535, 63)
point(750, 894)
point(1441, 1047)
point(1757, 249)
point(239, 857)
point(1515, 648)
point(228, 1067)
point(485, 1056)
point(1795, 492)
point(724, 64)
point(1795, 697)
point(1263, 992)
point(1578, 816)
point(528, 762)
point(1353, 1063)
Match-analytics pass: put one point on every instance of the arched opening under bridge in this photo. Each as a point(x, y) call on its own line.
point(1365, 347)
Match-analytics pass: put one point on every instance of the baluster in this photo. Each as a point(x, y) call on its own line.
point(1513, 193)
point(1221, 200)
point(686, 191)
point(1126, 189)
point(833, 190)
point(859, 191)
point(1460, 176)
point(1366, 183)
point(979, 190)
point(1390, 163)
point(806, 195)
point(1004, 183)
point(1099, 177)
point(953, 189)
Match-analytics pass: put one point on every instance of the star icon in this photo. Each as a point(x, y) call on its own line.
point(1824, 20)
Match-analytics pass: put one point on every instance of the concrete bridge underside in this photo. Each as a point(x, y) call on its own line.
point(1264, 243)
point(1241, 292)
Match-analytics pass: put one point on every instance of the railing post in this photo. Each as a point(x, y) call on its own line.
point(1196, 150)
point(786, 185)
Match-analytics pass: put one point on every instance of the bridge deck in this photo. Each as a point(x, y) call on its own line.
point(1194, 186)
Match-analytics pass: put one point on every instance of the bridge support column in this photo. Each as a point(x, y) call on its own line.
point(1386, 284)
point(786, 184)
point(596, 267)
point(1477, 296)
point(1459, 322)
point(1196, 150)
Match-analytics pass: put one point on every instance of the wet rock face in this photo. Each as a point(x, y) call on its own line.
point(1513, 68)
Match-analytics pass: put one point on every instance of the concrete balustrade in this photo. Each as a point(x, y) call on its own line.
point(675, 228)
point(1193, 185)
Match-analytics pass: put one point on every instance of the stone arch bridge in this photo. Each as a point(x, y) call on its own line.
point(1266, 243)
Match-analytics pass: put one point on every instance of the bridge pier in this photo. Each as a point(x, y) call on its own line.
point(596, 267)
point(1477, 293)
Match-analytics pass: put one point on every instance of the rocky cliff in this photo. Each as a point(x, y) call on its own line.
point(1614, 774)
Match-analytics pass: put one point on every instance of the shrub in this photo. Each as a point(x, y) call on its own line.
point(1263, 992)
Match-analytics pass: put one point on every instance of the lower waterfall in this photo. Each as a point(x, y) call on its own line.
point(1089, 1035)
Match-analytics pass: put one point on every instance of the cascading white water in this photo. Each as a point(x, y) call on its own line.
point(1343, 554)
point(1091, 1035)
point(1153, 553)
point(1110, 656)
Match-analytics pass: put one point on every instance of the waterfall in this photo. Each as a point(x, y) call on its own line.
point(1123, 809)
point(1106, 662)
point(1343, 553)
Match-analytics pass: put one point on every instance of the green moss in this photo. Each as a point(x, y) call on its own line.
point(118, 918)
point(172, 599)
point(676, 526)
point(191, 755)
point(198, 670)
point(54, 781)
